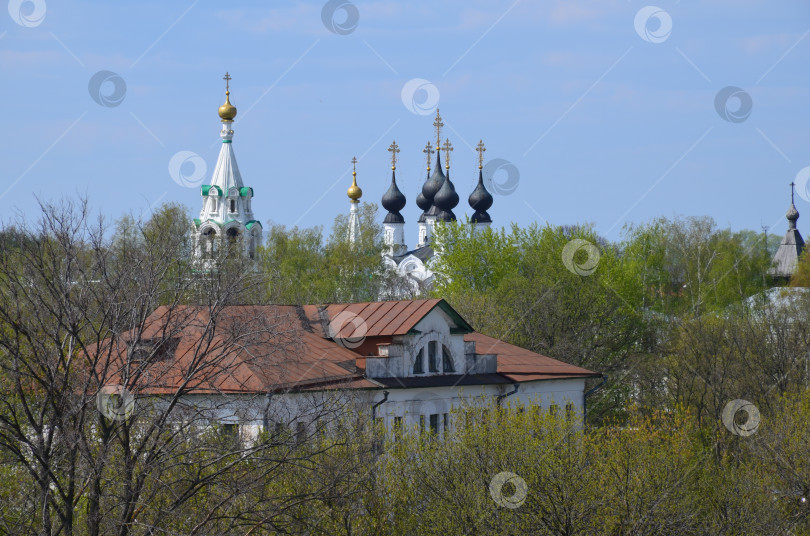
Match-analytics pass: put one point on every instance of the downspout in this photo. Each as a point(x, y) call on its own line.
point(266, 419)
point(589, 393)
point(501, 397)
point(374, 407)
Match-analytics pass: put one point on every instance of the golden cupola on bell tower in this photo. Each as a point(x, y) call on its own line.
point(227, 111)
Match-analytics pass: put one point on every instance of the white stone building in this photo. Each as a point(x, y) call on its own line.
point(407, 362)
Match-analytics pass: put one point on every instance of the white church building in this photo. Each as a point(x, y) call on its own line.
point(226, 218)
point(408, 361)
point(436, 200)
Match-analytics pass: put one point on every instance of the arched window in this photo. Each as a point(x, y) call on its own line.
point(447, 360)
point(433, 357)
point(213, 203)
point(233, 240)
point(419, 363)
point(233, 206)
point(252, 246)
point(208, 243)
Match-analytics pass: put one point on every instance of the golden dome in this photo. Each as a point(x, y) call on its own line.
point(227, 111)
point(354, 192)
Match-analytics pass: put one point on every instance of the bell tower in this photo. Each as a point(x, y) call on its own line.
point(226, 223)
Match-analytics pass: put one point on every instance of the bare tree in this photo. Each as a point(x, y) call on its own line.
point(124, 368)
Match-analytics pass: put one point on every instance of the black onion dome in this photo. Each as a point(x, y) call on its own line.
point(446, 215)
point(480, 201)
point(446, 198)
point(434, 183)
point(393, 201)
point(422, 201)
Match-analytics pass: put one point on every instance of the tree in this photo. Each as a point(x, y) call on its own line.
point(304, 267)
point(89, 325)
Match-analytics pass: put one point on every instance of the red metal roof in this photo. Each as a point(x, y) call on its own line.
point(256, 349)
point(516, 360)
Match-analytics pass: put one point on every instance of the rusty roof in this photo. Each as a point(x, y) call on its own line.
point(516, 360)
point(275, 348)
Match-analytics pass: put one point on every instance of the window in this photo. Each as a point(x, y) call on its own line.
point(419, 364)
point(447, 360)
point(252, 246)
point(553, 409)
point(434, 424)
point(569, 411)
point(433, 361)
point(233, 239)
point(233, 205)
point(397, 427)
point(446, 423)
point(300, 432)
point(209, 243)
point(213, 204)
point(422, 424)
point(229, 431)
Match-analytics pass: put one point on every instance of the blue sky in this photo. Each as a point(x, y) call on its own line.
point(606, 120)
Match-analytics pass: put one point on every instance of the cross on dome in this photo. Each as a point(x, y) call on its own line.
point(393, 149)
point(480, 148)
point(438, 124)
point(428, 150)
point(447, 149)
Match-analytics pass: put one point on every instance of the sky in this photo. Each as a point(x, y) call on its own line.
point(608, 112)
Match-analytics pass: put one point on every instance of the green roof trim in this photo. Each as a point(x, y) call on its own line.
point(245, 190)
point(226, 141)
point(206, 188)
point(250, 224)
point(463, 326)
point(197, 222)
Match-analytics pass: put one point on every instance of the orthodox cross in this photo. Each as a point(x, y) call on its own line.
point(393, 149)
point(792, 188)
point(227, 79)
point(438, 124)
point(354, 165)
point(480, 148)
point(447, 148)
point(428, 150)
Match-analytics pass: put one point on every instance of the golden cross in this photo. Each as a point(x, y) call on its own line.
point(447, 148)
point(438, 124)
point(480, 148)
point(354, 165)
point(227, 79)
point(428, 150)
point(393, 149)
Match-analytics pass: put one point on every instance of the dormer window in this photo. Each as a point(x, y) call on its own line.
point(419, 363)
point(433, 358)
point(437, 355)
point(447, 360)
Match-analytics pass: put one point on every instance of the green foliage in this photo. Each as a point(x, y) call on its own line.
point(305, 267)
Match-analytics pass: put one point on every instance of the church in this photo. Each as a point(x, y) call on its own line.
point(407, 362)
